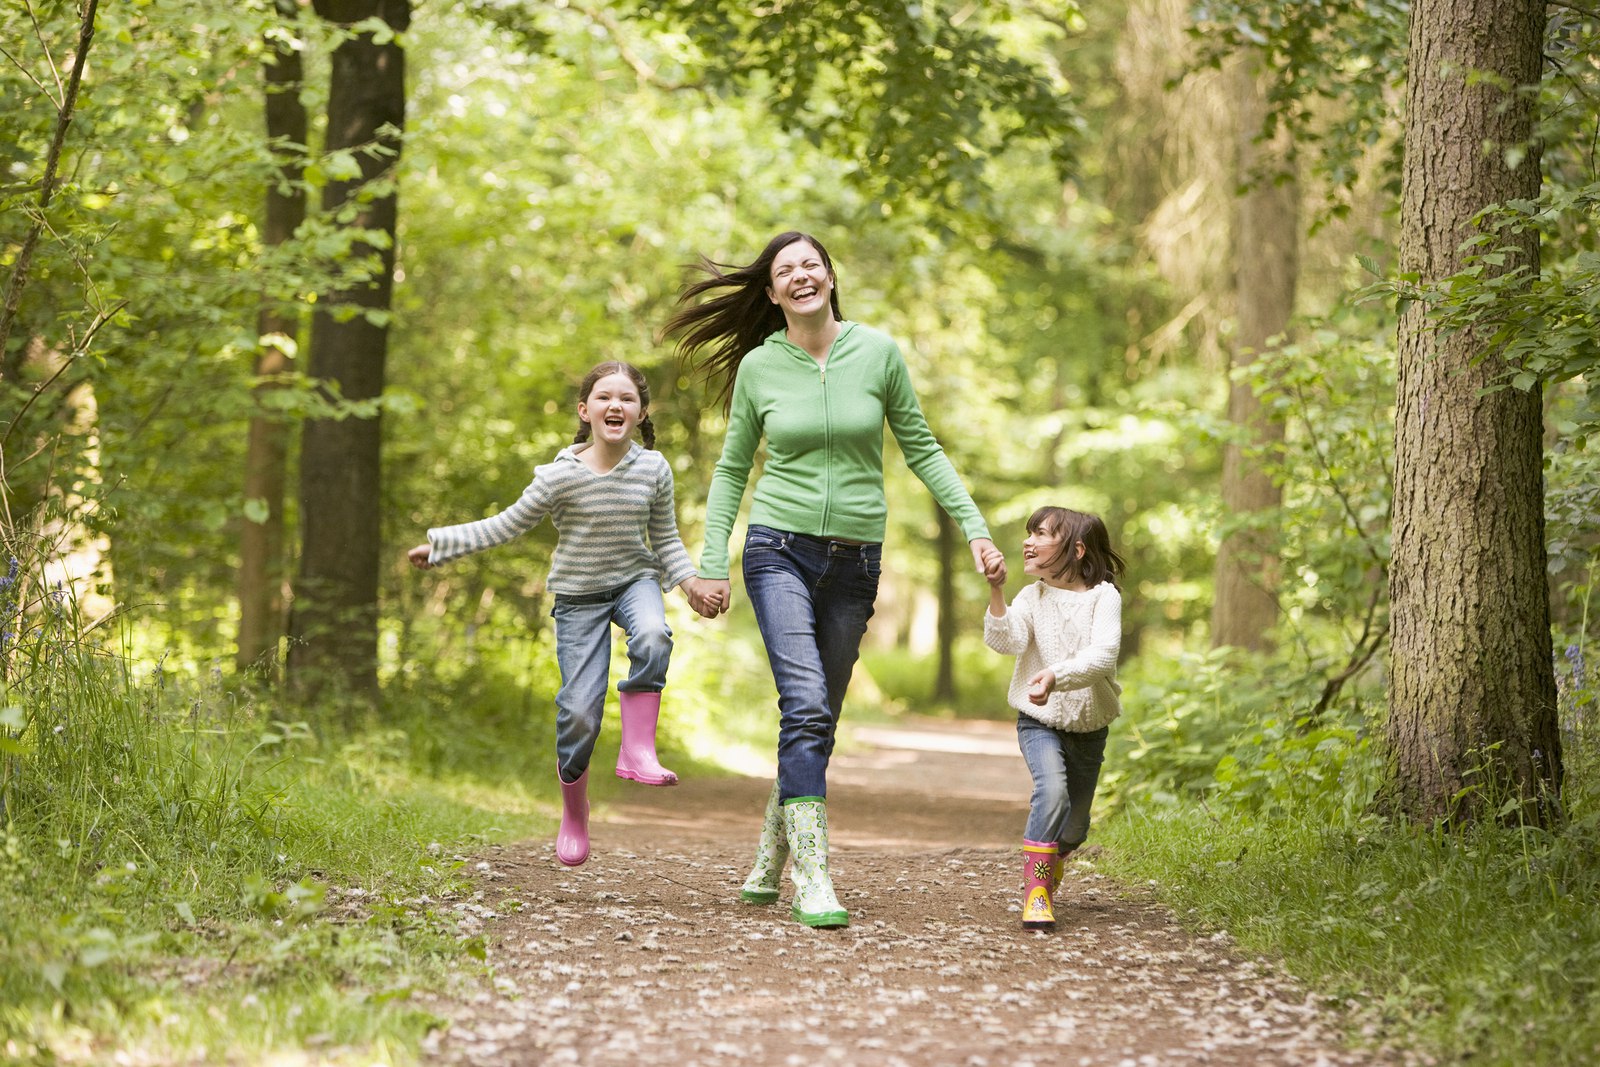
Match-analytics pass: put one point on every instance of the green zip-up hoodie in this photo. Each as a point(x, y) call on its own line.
point(823, 425)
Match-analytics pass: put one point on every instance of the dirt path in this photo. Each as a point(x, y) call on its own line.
point(645, 954)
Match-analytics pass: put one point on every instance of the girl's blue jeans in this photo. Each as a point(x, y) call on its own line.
point(1065, 768)
point(812, 599)
point(583, 652)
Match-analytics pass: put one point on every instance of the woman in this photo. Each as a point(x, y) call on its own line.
point(818, 389)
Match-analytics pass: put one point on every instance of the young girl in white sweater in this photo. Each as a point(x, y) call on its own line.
point(1066, 631)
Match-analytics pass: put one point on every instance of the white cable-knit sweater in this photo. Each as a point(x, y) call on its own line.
point(1078, 635)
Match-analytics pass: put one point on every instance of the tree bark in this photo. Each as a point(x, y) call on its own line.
point(261, 543)
point(333, 627)
point(1472, 688)
point(1266, 243)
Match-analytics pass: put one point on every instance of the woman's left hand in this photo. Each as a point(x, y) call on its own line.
point(991, 562)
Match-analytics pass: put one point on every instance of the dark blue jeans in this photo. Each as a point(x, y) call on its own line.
point(1066, 769)
point(812, 599)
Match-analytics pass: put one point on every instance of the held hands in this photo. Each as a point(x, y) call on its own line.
point(990, 561)
point(709, 597)
point(1039, 688)
point(419, 557)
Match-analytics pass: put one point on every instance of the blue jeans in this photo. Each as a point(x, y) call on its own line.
point(583, 652)
point(812, 599)
point(1065, 768)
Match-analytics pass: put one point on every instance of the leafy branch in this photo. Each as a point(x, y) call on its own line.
point(64, 110)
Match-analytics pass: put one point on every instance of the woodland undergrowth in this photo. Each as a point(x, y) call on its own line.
point(198, 870)
point(188, 869)
point(1479, 945)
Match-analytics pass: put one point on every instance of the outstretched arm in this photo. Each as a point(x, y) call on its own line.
point(728, 483)
point(927, 460)
point(1009, 631)
point(452, 542)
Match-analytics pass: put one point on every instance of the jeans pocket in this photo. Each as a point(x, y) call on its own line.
point(761, 539)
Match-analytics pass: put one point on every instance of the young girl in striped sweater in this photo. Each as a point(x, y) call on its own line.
point(618, 549)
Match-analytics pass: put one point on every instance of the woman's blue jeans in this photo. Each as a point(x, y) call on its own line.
point(583, 652)
point(1065, 768)
point(812, 599)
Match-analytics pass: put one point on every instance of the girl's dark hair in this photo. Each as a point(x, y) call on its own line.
point(647, 432)
point(1098, 562)
point(714, 336)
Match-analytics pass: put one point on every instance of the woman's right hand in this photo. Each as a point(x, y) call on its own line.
point(717, 594)
point(990, 561)
point(698, 592)
point(419, 557)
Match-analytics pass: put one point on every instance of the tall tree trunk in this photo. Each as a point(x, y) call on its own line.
point(944, 682)
point(1472, 688)
point(1266, 244)
point(334, 626)
point(261, 541)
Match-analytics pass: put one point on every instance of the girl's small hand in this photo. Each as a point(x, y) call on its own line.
point(718, 594)
point(706, 597)
point(694, 590)
point(1040, 686)
point(419, 557)
point(990, 560)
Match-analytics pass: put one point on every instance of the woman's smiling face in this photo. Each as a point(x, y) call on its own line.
point(801, 282)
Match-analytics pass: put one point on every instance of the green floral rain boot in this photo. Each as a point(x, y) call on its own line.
point(771, 853)
point(805, 823)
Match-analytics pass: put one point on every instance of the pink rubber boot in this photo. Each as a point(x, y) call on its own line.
point(572, 840)
point(1037, 860)
point(637, 758)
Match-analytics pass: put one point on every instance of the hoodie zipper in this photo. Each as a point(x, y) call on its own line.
point(827, 423)
point(827, 439)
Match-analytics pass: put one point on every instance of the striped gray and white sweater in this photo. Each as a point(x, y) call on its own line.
point(612, 528)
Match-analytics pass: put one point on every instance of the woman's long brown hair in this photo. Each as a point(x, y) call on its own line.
point(714, 336)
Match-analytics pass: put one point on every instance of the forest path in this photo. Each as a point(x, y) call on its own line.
point(646, 955)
